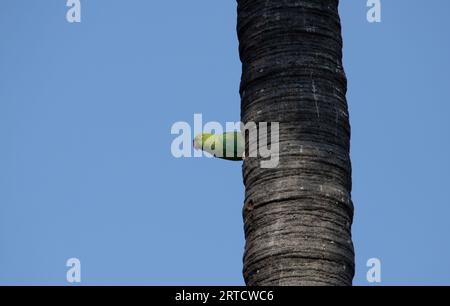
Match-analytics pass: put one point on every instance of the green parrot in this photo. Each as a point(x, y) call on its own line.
point(218, 145)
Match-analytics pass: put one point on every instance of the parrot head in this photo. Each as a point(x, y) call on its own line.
point(199, 140)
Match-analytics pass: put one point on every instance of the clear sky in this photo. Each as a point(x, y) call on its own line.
point(86, 169)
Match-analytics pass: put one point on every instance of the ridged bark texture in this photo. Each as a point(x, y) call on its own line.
point(297, 216)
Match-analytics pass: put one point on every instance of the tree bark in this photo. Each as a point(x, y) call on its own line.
point(297, 216)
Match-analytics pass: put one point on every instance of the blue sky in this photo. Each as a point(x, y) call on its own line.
point(85, 164)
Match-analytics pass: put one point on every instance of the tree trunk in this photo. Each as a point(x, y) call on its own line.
point(297, 216)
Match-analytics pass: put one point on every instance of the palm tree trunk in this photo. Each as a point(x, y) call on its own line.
point(297, 216)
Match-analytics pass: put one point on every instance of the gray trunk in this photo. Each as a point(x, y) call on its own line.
point(297, 216)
